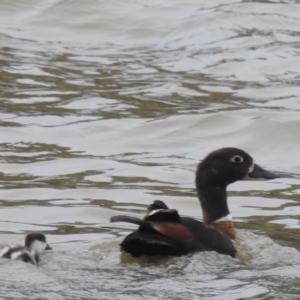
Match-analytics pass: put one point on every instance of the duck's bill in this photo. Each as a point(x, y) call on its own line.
point(48, 248)
point(259, 172)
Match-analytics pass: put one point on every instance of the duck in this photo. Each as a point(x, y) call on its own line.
point(34, 244)
point(163, 232)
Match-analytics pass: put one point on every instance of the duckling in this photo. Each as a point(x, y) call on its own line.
point(34, 244)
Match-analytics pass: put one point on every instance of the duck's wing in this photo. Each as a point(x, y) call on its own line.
point(165, 221)
point(146, 240)
point(160, 234)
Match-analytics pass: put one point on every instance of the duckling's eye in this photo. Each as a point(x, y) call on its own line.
point(237, 159)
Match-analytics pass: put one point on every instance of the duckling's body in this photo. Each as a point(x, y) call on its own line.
point(164, 232)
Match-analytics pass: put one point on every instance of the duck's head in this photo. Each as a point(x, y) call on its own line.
point(227, 165)
point(219, 169)
point(36, 241)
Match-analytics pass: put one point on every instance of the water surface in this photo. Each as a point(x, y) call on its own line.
point(107, 106)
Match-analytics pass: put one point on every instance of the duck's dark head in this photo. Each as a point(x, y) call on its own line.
point(219, 169)
point(227, 165)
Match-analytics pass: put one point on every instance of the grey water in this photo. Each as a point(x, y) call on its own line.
point(106, 106)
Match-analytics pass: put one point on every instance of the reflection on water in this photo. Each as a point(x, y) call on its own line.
point(107, 106)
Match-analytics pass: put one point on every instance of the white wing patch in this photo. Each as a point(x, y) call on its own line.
point(152, 212)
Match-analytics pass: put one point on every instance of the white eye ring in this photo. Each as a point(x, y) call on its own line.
point(237, 159)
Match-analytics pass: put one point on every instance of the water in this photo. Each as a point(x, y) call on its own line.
point(109, 105)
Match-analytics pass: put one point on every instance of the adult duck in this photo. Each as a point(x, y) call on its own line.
point(164, 232)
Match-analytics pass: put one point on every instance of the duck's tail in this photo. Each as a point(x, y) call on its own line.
point(128, 219)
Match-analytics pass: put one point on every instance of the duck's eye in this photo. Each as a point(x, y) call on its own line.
point(237, 159)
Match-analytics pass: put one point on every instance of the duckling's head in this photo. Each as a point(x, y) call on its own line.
point(37, 242)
